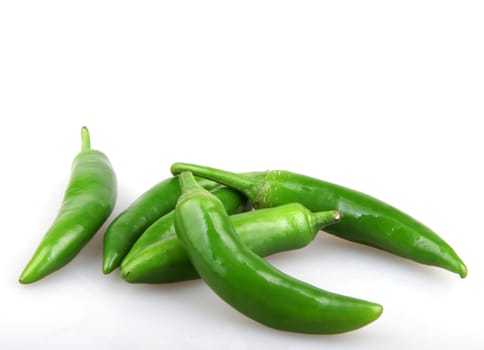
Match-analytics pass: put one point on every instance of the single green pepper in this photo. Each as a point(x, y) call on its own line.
point(250, 284)
point(159, 256)
point(125, 229)
point(88, 201)
point(367, 220)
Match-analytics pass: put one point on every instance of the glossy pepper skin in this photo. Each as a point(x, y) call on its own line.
point(160, 258)
point(367, 220)
point(88, 201)
point(250, 284)
point(125, 229)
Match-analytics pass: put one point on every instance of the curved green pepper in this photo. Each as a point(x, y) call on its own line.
point(251, 285)
point(88, 201)
point(125, 229)
point(367, 220)
point(159, 257)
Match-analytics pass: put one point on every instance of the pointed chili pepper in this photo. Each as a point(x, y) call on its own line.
point(249, 283)
point(88, 201)
point(367, 220)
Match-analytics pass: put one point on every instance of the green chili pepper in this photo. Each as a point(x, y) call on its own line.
point(159, 256)
point(248, 282)
point(125, 229)
point(88, 201)
point(366, 220)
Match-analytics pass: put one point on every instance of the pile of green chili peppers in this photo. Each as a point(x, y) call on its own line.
point(217, 225)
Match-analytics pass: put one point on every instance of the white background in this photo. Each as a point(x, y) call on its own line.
point(384, 97)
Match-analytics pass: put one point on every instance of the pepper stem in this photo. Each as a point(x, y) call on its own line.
point(321, 219)
point(86, 139)
point(227, 178)
point(188, 182)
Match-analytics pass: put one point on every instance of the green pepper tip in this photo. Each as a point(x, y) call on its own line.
point(378, 310)
point(463, 271)
point(124, 275)
point(109, 263)
point(22, 280)
point(26, 278)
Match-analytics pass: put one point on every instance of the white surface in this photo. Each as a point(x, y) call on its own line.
point(377, 96)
